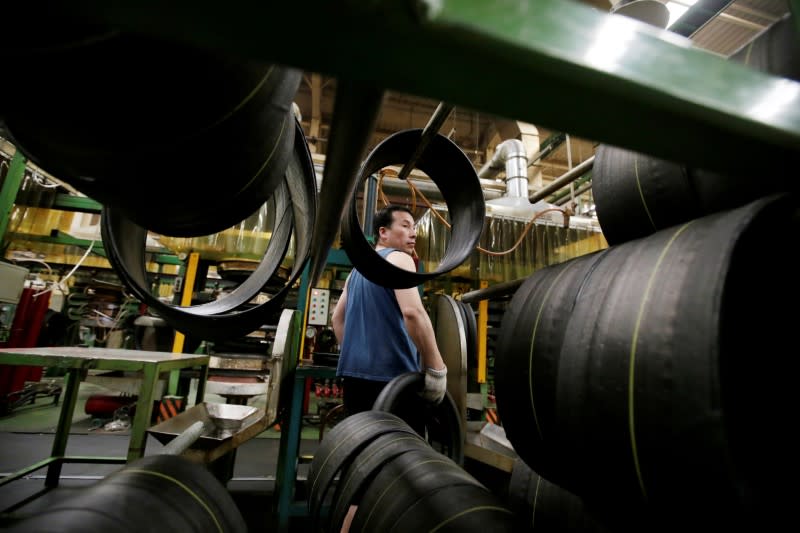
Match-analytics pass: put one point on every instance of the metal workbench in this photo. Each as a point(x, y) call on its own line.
point(77, 362)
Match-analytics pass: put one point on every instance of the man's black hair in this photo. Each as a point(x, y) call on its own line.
point(384, 217)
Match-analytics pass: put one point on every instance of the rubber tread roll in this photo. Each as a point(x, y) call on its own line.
point(442, 422)
point(451, 170)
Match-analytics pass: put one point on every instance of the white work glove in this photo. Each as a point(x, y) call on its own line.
point(435, 385)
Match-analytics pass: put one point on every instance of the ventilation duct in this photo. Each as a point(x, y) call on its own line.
point(511, 157)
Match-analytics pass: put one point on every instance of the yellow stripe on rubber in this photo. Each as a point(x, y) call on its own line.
point(632, 359)
point(532, 343)
point(181, 485)
point(641, 194)
point(468, 511)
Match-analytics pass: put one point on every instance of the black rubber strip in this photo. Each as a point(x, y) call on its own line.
point(223, 319)
point(442, 422)
point(365, 467)
point(401, 482)
point(459, 508)
point(451, 170)
point(339, 448)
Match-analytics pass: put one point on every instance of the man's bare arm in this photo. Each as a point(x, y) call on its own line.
point(337, 319)
point(417, 321)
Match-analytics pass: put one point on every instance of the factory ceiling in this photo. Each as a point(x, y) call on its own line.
point(730, 26)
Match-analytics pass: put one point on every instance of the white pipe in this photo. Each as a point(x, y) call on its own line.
point(509, 155)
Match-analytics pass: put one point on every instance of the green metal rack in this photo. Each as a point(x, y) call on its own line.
point(557, 63)
point(77, 361)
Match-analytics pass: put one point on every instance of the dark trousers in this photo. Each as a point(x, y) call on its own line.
point(360, 394)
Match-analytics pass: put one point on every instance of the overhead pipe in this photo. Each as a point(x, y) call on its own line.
point(431, 129)
point(557, 197)
point(580, 190)
point(510, 155)
point(371, 194)
point(429, 189)
point(565, 179)
point(549, 144)
point(498, 290)
point(493, 184)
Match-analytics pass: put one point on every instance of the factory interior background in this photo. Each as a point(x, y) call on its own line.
point(604, 194)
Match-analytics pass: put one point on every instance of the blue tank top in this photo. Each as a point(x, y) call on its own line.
point(376, 343)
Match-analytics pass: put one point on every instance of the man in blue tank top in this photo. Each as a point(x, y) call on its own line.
point(385, 332)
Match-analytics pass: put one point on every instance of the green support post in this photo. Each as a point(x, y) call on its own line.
point(8, 193)
point(72, 381)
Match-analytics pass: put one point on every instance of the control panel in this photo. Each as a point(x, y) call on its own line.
point(318, 307)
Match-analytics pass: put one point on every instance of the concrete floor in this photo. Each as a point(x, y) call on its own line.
point(26, 438)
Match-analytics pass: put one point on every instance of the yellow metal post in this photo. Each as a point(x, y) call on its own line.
point(300, 358)
point(186, 295)
point(186, 300)
point(483, 321)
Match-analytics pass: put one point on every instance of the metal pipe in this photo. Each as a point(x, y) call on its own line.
point(555, 198)
point(428, 188)
point(184, 441)
point(491, 189)
point(430, 130)
point(569, 166)
point(492, 184)
point(509, 155)
point(549, 144)
point(500, 289)
point(565, 179)
point(370, 202)
point(580, 190)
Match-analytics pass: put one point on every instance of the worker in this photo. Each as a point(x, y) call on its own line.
point(384, 332)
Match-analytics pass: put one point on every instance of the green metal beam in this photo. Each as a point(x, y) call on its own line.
point(66, 202)
point(556, 63)
point(8, 192)
point(166, 259)
point(59, 237)
point(547, 146)
point(564, 192)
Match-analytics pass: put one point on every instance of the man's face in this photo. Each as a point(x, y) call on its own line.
point(402, 234)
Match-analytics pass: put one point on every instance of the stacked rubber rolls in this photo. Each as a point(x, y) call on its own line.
point(181, 140)
point(452, 172)
point(167, 490)
point(441, 424)
point(170, 138)
point(649, 378)
point(376, 461)
point(637, 194)
point(544, 506)
point(294, 206)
